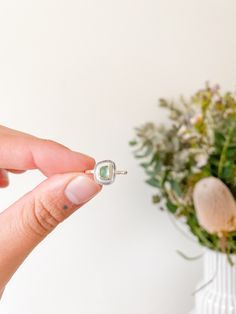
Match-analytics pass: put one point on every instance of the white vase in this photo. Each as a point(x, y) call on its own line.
point(219, 296)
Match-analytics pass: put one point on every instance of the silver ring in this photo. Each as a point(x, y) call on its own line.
point(105, 172)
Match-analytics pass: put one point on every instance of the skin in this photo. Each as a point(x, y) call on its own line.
point(30, 219)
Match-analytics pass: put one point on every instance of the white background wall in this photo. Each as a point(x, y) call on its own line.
point(85, 73)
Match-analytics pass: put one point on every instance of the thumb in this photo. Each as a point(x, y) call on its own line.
point(28, 221)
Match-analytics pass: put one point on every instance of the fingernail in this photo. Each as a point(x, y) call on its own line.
point(81, 189)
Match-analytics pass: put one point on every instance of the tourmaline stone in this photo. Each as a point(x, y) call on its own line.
point(105, 172)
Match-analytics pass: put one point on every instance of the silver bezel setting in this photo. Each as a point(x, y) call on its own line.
point(97, 169)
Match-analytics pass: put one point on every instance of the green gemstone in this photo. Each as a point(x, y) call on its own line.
point(104, 172)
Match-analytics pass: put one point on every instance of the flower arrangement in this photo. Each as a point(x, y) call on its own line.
point(199, 142)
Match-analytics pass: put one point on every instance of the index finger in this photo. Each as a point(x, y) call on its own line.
point(21, 151)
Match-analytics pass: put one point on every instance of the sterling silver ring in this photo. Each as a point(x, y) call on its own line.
point(105, 172)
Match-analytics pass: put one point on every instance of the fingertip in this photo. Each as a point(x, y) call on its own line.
point(81, 189)
point(4, 184)
point(89, 162)
point(4, 179)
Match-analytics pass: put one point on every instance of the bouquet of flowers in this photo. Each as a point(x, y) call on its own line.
point(199, 143)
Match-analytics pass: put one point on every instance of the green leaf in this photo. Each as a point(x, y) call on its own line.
point(219, 138)
point(231, 153)
point(133, 143)
point(153, 182)
point(227, 171)
point(163, 103)
point(145, 165)
point(149, 172)
point(172, 207)
point(158, 165)
point(156, 198)
point(214, 159)
point(145, 152)
point(176, 187)
point(155, 157)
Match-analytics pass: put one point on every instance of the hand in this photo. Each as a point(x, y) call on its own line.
point(30, 219)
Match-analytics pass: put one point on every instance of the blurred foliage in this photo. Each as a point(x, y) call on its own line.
point(200, 142)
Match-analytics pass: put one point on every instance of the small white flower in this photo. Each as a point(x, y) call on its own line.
point(167, 185)
point(201, 160)
point(183, 155)
point(179, 175)
point(195, 169)
point(187, 136)
point(182, 130)
point(195, 119)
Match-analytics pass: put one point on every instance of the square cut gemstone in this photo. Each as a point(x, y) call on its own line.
point(106, 172)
